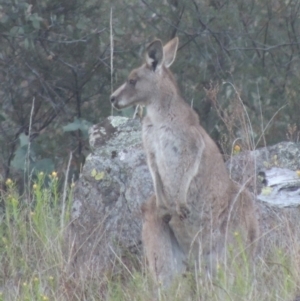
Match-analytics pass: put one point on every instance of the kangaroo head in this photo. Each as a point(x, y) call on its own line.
point(148, 82)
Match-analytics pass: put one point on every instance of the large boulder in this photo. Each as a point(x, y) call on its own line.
point(273, 174)
point(115, 181)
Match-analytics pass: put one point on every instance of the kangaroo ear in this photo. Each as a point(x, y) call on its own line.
point(170, 50)
point(155, 54)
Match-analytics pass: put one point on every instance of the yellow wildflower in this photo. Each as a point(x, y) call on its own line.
point(8, 182)
point(236, 149)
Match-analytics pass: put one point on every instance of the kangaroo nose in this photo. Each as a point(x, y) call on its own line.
point(112, 99)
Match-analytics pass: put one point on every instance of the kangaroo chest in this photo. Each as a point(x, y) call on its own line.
point(166, 150)
point(164, 143)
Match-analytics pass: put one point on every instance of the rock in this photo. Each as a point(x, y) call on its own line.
point(106, 217)
point(281, 187)
point(245, 166)
point(271, 173)
point(115, 180)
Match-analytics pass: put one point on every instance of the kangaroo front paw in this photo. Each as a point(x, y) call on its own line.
point(183, 211)
point(166, 218)
point(164, 214)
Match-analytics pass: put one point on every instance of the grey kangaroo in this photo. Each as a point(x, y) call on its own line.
point(196, 208)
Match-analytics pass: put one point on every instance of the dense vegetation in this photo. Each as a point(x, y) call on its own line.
point(55, 75)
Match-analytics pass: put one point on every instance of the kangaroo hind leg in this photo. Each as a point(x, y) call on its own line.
point(163, 253)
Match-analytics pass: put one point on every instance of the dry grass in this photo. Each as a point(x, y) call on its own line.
point(237, 129)
point(36, 266)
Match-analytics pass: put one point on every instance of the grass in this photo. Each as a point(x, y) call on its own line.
point(31, 242)
point(36, 266)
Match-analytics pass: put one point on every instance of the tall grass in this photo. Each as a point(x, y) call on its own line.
point(35, 263)
point(31, 241)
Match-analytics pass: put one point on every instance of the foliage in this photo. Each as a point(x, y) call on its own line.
point(57, 53)
point(52, 75)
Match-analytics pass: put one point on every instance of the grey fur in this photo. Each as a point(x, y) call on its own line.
point(197, 207)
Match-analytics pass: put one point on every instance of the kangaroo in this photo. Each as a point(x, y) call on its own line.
point(196, 207)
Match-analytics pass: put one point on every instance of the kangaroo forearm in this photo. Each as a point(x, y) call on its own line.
point(187, 176)
point(159, 191)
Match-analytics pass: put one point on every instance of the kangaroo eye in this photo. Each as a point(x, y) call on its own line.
point(132, 82)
